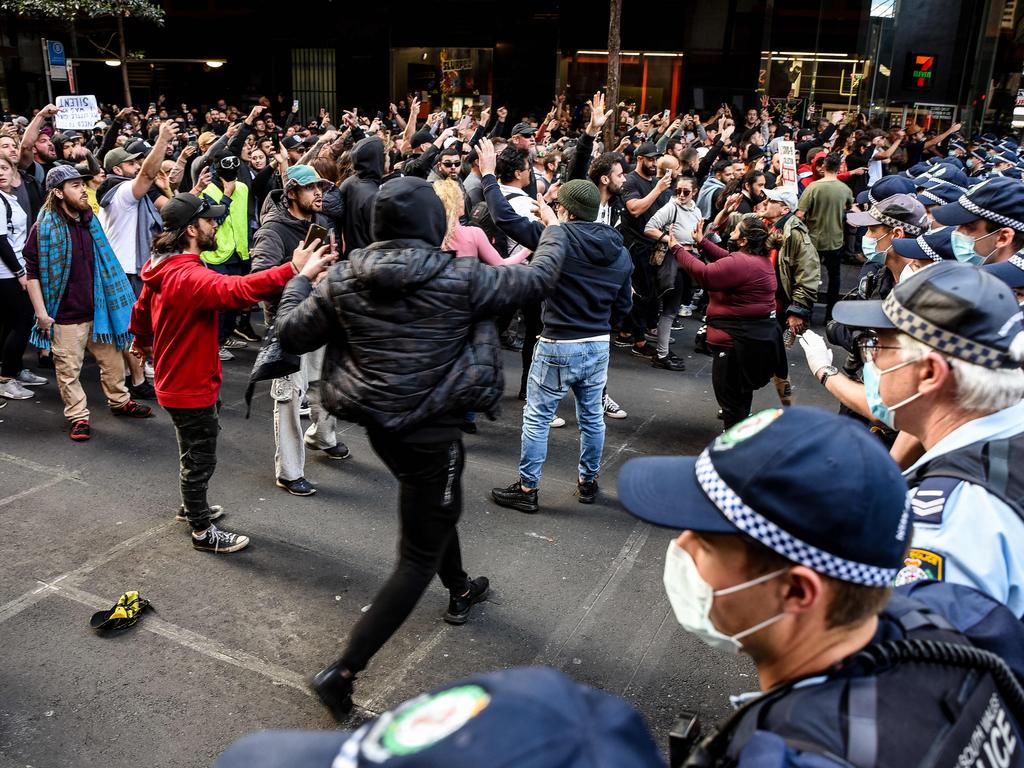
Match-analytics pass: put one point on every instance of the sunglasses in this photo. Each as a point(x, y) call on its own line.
point(447, 164)
point(684, 192)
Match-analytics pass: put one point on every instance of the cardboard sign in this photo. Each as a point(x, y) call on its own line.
point(78, 113)
point(787, 164)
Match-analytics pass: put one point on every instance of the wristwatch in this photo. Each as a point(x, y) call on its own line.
point(826, 372)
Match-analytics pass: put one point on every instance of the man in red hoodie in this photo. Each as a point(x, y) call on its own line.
point(175, 321)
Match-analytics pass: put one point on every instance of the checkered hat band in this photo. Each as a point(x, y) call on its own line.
point(889, 221)
point(942, 340)
point(930, 196)
point(940, 180)
point(928, 250)
point(969, 205)
point(766, 532)
point(1017, 260)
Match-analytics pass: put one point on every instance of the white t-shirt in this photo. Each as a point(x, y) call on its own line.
point(521, 204)
point(120, 221)
point(16, 230)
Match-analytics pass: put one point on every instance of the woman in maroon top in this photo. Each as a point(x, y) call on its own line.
point(742, 333)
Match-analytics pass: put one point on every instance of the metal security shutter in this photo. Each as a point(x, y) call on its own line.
point(314, 83)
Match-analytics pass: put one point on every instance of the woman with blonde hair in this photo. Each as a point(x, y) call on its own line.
point(468, 240)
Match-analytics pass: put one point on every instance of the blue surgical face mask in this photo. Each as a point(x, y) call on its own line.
point(869, 246)
point(872, 389)
point(963, 247)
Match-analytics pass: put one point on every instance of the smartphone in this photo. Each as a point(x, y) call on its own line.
point(315, 232)
point(152, 105)
point(692, 112)
point(665, 114)
point(295, 105)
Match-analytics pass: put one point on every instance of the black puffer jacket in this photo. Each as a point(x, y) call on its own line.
point(409, 329)
point(279, 235)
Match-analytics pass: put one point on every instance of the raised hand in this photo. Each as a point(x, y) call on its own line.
point(598, 115)
point(485, 156)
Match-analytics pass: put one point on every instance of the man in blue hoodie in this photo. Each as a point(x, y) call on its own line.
point(592, 294)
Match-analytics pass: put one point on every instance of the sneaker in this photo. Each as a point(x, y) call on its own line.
point(134, 410)
point(217, 541)
point(647, 350)
point(12, 390)
point(334, 690)
point(143, 391)
point(514, 497)
point(678, 325)
point(686, 310)
point(300, 487)
point(587, 491)
point(80, 431)
point(337, 451)
point(224, 355)
point(611, 409)
point(28, 379)
point(469, 427)
point(148, 370)
point(246, 333)
point(785, 391)
point(216, 513)
point(557, 422)
point(304, 409)
point(669, 362)
point(232, 343)
point(623, 341)
point(460, 605)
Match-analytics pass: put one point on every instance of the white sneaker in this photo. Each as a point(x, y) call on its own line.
point(147, 370)
point(28, 379)
point(557, 422)
point(233, 342)
point(224, 355)
point(612, 410)
point(12, 390)
point(686, 310)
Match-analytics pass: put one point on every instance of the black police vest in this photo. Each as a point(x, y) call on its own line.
point(986, 463)
point(930, 699)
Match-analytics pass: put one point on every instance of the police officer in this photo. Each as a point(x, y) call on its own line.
point(943, 364)
point(795, 524)
point(989, 220)
point(1011, 272)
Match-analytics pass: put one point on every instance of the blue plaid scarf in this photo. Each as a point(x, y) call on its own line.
point(112, 293)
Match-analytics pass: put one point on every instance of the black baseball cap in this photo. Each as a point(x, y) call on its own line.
point(182, 209)
point(957, 309)
point(762, 478)
point(523, 129)
point(291, 142)
point(647, 149)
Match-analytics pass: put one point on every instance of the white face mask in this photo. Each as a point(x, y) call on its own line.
point(691, 598)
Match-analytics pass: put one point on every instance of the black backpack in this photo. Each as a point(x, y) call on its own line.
point(480, 216)
point(946, 693)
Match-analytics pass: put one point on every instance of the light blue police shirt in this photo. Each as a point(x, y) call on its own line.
point(964, 534)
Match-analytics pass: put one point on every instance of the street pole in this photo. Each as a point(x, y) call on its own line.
point(124, 61)
point(614, 46)
point(46, 71)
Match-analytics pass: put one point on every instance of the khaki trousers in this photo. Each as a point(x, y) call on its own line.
point(69, 345)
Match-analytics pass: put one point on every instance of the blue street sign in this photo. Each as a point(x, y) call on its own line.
point(55, 51)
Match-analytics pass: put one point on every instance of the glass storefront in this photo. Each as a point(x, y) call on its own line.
point(449, 79)
point(649, 80)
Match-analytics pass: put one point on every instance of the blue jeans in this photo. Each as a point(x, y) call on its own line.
point(557, 368)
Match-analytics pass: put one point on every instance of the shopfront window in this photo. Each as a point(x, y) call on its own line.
point(648, 80)
point(449, 79)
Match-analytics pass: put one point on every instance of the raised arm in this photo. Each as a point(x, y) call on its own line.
point(147, 174)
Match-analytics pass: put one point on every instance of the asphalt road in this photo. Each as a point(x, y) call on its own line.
point(234, 637)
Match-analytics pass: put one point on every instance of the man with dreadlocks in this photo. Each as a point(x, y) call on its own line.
point(81, 297)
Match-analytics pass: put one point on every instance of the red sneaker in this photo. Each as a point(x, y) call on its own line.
point(134, 410)
point(80, 430)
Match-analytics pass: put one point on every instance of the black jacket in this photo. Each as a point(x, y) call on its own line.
point(409, 329)
point(275, 241)
point(360, 190)
point(420, 165)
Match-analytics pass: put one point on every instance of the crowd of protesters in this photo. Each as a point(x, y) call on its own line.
point(393, 257)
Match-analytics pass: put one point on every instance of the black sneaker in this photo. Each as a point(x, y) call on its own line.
point(300, 487)
point(245, 332)
point(522, 395)
point(143, 391)
point(220, 542)
point(647, 350)
point(459, 605)
point(334, 690)
point(586, 490)
point(669, 362)
point(338, 451)
point(469, 427)
point(216, 513)
point(514, 497)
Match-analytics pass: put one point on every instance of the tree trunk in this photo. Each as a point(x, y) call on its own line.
point(612, 87)
point(124, 61)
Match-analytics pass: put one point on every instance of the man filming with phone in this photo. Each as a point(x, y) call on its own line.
point(289, 217)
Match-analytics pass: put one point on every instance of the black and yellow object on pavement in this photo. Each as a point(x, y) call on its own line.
point(128, 610)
